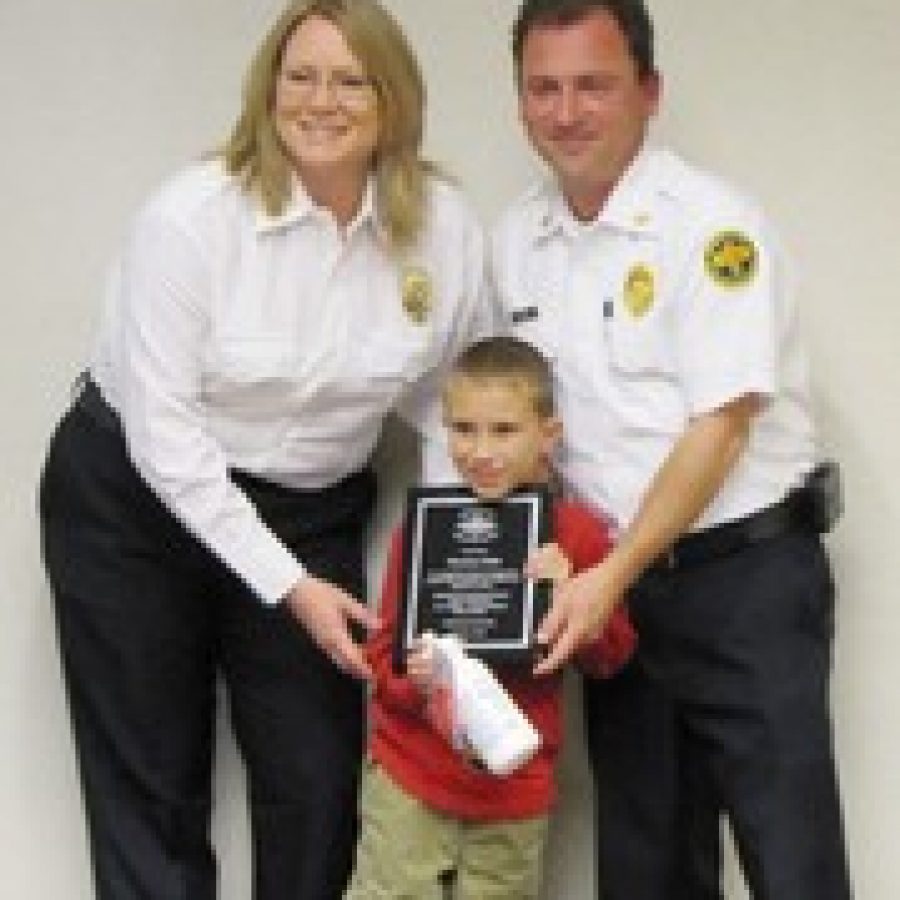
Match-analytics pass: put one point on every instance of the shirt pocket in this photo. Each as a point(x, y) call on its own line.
point(253, 378)
point(254, 359)
point(644, 381)
point(638, 346)
point(379, 367)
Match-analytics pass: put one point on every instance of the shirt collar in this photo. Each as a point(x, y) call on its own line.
point(300, 206)
point(631, 206)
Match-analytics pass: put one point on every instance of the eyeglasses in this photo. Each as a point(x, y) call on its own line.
point(349, 89)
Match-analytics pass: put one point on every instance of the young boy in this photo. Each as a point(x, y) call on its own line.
point(426, 809)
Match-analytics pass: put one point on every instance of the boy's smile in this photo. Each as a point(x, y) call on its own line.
point(498, 440)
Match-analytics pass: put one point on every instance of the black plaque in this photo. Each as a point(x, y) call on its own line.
point(463, 576)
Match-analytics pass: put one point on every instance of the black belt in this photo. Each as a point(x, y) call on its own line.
point(90, 400)
point(813, 507)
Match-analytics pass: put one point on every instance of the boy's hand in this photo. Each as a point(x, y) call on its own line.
point(420, 667)
point(548, 563)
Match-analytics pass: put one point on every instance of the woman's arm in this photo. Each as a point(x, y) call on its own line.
point(164, 294)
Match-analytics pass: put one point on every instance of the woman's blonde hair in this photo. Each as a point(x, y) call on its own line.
point(254, 152)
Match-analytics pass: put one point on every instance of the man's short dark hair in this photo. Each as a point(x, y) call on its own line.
point(512, 359)
point(632, 17)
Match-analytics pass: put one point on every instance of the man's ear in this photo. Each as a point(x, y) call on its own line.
point(652, 86)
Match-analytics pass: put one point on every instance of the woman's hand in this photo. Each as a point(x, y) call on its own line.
point(325, 611)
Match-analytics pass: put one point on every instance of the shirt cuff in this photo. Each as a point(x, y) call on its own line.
point(273, 573)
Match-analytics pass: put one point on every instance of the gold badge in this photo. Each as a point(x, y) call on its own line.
point(640, 290)
point(416, 294)
point(731, 259)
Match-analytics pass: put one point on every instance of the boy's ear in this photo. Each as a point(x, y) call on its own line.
point(552, 430)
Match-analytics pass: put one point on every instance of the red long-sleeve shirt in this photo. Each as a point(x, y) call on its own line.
point(416, 757)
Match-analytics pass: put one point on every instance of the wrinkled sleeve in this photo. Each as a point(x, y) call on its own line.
point(163, 287)
point(391, 689)
point(727, 323)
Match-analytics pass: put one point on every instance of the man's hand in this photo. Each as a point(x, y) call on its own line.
point(548, 563)
point(581, 606)
point(325, 611)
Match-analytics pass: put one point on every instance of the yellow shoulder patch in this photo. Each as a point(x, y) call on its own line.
point(639, 290)
point(731, 259)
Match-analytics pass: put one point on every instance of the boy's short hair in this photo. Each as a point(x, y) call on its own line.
point(514, 359)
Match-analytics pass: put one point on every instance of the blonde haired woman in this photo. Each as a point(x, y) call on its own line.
point(204, 500)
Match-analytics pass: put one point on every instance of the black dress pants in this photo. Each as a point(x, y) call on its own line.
point(147, 619)
point(740, 645)
point(657, 817)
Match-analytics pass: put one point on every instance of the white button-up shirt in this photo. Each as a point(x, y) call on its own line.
point(645, 331)
point(276, 346)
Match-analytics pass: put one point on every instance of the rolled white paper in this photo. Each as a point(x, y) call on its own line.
point(485, 718)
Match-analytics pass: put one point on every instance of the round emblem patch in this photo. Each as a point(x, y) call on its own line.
point(639, 289)
point(416, 294)
point(731, 259)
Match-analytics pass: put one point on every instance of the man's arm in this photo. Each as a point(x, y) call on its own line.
point(682, 488)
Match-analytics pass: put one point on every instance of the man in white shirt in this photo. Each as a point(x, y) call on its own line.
point(659, 292)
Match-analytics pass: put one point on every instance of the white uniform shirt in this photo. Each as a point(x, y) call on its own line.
point(647, 326)
point(276, 346)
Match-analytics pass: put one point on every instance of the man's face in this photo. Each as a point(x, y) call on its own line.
point(584, 105)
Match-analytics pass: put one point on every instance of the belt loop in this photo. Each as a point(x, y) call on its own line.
point(670, 558)
point(666, 562)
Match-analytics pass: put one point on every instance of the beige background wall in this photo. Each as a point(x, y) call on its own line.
point(101, 98)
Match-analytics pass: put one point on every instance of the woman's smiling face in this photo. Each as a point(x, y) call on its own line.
point(325, 107)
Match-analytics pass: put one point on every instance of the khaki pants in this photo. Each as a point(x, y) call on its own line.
point(405, 847)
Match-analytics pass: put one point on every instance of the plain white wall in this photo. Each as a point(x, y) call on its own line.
point(100, 99)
